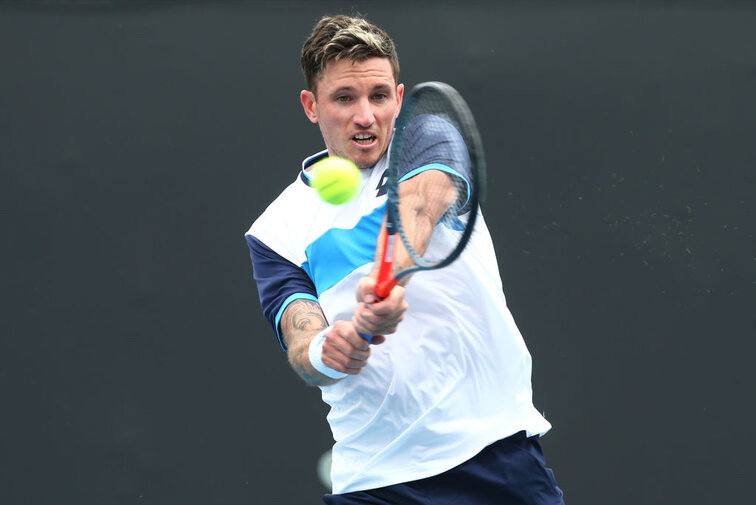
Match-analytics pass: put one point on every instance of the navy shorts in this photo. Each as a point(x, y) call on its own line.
point(510, 471)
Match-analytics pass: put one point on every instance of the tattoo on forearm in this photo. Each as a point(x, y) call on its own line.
point(303, 315)
point(300, 319)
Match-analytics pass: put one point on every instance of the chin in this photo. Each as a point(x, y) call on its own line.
point(366, 161)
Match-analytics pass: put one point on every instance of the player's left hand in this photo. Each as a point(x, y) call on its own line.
point(374, 316)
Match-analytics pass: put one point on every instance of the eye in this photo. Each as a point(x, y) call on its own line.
point(343, 98)
point(380, 97)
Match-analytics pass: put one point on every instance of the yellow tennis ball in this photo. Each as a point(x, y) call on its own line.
point(337, 180)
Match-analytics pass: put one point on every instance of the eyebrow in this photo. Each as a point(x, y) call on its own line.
point(382, 87)
point(350, 89)
point(343, 89)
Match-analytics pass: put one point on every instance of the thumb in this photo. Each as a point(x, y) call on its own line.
point(365, 291)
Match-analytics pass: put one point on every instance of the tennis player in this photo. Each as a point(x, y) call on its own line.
point(438, 408)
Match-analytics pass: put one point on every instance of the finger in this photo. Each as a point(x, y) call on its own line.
point(365, 320)
point(365, 290)
point(348, 344)
point(373, 319)
point(353, 338)
point(352, 367)
point(372, 331)
point(343, 355)
point(394, 303)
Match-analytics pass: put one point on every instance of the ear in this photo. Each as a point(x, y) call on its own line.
point(309, 104)
point(399, 98)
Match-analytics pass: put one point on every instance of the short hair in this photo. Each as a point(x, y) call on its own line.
point(338, 37)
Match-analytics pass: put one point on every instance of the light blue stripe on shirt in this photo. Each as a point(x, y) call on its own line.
point(442, 168)
point(338, 252)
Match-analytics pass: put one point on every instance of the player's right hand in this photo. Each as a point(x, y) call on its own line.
point(344, 349)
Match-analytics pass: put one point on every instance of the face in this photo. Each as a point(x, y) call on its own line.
point(355, 106)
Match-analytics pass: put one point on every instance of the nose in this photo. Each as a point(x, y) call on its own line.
point(363, 114)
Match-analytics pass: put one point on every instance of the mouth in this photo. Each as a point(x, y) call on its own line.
point(364, 139)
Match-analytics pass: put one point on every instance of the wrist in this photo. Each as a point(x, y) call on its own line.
point(315, 354)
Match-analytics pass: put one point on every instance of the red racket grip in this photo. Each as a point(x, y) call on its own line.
point(386, 281)
point(383, 289)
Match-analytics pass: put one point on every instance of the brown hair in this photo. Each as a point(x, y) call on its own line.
point(338, 37)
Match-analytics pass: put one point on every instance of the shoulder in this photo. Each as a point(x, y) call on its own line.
point(286, 217)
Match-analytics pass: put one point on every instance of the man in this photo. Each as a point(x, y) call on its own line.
point(437, 409)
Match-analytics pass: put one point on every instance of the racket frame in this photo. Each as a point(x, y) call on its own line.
point(386, 281)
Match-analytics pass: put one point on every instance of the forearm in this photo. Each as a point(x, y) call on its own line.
point(424, 199)
point(300, 322)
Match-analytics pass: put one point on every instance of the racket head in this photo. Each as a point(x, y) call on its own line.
point(436, 131)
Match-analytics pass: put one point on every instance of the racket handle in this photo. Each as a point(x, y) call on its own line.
point(383, 287)
point(367, 337)
point(385, 281)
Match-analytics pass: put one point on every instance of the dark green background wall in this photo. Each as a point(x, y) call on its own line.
point(138, 141)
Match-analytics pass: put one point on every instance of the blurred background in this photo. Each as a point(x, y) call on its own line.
point(139, 140)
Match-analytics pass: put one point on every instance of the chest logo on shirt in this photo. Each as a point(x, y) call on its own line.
point(381, 188)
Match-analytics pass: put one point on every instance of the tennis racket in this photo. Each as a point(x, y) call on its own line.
point(435, 183)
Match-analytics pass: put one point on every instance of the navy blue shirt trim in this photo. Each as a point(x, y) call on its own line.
point(279, 282)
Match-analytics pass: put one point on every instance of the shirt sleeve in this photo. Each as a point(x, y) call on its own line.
point(432, 143)
point(279, 282)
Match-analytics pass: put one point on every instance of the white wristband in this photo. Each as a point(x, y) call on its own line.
point(315, 354)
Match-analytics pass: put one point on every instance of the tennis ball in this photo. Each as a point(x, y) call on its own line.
point(337, 180)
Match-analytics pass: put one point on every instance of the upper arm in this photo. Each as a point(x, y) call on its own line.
point(280, 283)
point(289, 301)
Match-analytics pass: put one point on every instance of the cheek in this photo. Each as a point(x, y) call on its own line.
point(388, 120)
point(326, 126)
point(331, 121)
